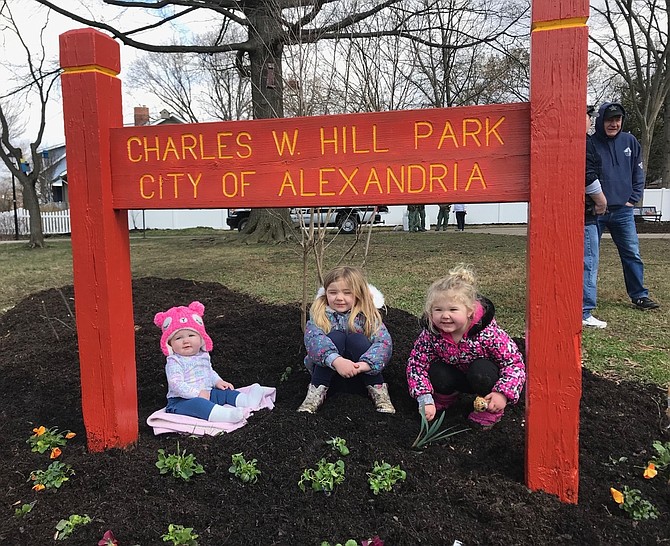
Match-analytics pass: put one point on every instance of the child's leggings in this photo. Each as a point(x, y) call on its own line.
point(199, 407)
point(351, 346)
point(480, 377)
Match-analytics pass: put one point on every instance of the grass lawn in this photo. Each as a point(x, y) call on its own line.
point(635, 344)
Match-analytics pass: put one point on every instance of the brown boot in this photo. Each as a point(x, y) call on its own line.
point(314, 399)
point(380, 396)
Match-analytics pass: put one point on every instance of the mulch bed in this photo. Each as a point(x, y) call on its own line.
point(468, 488)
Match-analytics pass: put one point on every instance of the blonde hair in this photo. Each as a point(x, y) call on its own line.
point(354, 278)
point(460, 284)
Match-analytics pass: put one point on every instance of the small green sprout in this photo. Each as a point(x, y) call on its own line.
point(179, 464)
point(340, 445)
point(53, 477)
point(631, 502)
point(65, 527)
point(432, 433)
point(243, 469)
point(180, 535)
point(324, 478)
point(384, 476)
point(285, 375)
point(662, 458)
point(24, 510)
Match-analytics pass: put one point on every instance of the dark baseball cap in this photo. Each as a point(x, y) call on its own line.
point(612, 111)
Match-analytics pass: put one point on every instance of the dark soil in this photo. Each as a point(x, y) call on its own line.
point(470, 488)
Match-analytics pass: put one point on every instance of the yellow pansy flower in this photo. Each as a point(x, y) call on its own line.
point(70, 435)
point(55, 453)
point(39, 487)
point(650, 471)
point(39, 431)
point(616, 495)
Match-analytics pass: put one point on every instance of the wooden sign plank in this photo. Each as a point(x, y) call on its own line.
point(471, 154)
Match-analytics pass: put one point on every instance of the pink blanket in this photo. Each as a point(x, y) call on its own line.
point(163, 422)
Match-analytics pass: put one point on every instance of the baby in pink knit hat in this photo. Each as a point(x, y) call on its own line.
point(194, 388)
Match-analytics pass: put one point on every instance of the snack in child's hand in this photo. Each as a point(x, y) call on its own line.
point(480, 404)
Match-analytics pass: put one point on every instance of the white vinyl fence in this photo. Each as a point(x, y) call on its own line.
point(485, 213)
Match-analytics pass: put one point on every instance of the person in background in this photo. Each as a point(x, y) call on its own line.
point(443, 217)
point(413, 217)
point(346, 339)
point(462, 349)
point(422, 217)
point(622, 181)
point(596, 204)
point(460, 211)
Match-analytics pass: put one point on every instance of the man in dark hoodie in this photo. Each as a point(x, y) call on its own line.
point(596, 204)
point(622, 180)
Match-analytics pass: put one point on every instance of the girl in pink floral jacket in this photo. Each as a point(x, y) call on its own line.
point(462, 349)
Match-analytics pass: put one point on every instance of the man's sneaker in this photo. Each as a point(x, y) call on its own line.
point(314, 399)
point(380, 396)
point(645, 303)
point(593, 322)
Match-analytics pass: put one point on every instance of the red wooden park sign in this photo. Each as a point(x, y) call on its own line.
point(531, 152)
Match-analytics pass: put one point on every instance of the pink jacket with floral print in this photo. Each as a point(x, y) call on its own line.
point(485, 339)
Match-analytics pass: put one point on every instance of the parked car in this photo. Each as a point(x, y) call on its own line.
point(347, 219)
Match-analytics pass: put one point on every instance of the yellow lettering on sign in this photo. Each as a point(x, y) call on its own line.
point(391, 176)
point(471, 132)
point(438, 172)
point(348, 181)
point(145, 180)
point(288, 183)
point(493, 130)
point(170, 148)
point(131, 157)
point(188, 144)
point(422, 129)
point(244, 145)
point(475, 175)
point(286, 142)
point(416, 174)
point(373, 180)
point(448, 133)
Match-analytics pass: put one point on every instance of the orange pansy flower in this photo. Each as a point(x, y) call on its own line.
point(39, 431)
point(616, 495)
point(70, 435)
point(55, 453)
point(650, 471)
point(38, 487)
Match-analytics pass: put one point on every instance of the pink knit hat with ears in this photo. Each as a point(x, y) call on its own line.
point(182, 318)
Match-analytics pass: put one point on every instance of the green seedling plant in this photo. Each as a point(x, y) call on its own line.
point(637, 507)
point(45, 439)
point(243, 469)
point(286, 374)
point(324, 478)
point(384, 476)
point(180, 535)
point(24, 509)
point(179, 464)
point(432, 433)
point(662, 459)
point(350, 542)
point(65, 527)
point(53, 477)
point(339, 445)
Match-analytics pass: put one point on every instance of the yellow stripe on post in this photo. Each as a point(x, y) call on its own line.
point(559, 23)
point(90, 68)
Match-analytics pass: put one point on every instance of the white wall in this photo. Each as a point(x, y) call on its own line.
point(484, 213)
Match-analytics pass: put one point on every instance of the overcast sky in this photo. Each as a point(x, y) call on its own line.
point(30, 17)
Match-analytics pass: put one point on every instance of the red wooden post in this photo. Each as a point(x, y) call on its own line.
point(100, 243)
point(555, 245)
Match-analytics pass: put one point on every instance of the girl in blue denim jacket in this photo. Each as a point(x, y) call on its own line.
point(345, 337)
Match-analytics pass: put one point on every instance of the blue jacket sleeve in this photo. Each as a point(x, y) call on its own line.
point(321, 350)
point(379, 353)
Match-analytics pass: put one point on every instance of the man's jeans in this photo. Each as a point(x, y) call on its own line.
point(620, 222)
point(591, 260)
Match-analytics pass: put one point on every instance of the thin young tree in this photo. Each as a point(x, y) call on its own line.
point(33, 87)
point(630, 37)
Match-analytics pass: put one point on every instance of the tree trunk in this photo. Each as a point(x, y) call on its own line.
point(267, 85)
point(269, 226)
point(666, 143)
point(32, 205)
